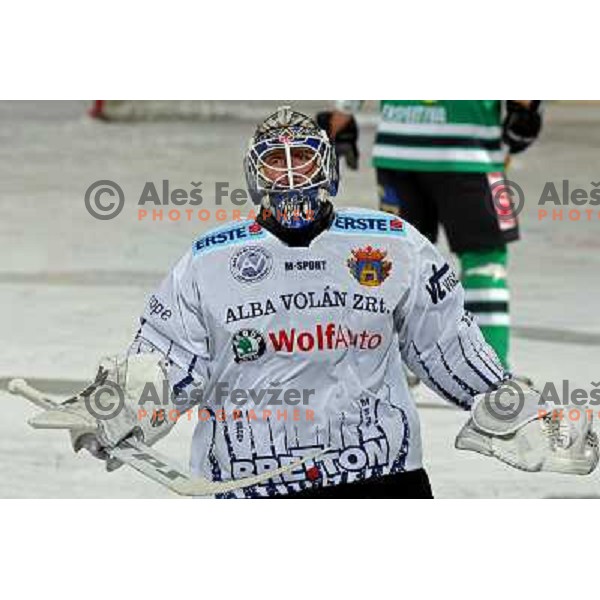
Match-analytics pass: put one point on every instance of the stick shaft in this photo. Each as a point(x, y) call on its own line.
point(156, 466)
point(21, 388)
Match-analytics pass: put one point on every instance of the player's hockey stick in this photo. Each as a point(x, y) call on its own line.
point(153, 464)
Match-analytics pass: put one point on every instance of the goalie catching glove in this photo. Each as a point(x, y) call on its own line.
point(527, 435)
point(111, 409)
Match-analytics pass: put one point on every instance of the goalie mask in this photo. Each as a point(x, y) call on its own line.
point(291, 168)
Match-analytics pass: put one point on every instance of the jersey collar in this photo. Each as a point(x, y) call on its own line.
point(299, 237)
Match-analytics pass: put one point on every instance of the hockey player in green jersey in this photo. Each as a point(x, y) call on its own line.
point(443, 162)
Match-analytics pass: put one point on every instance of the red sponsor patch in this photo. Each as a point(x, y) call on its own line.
point(324, 337)
point(502, 201)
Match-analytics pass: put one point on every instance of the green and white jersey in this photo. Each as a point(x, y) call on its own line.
point(440, 135)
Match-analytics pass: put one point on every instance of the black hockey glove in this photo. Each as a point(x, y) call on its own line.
point(521, 126)
point(346, 141)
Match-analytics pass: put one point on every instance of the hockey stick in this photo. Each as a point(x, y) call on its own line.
point(154, 465)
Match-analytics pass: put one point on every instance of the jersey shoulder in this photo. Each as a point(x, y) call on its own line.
point(365, 221)
point(229, 234)
point(378, 225)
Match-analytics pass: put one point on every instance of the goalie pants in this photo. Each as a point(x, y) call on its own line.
point(409, 484)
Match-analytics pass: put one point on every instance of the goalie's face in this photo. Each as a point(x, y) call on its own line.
point(289, 168)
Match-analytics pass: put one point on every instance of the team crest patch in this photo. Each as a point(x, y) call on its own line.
point(251, 264)
point(369, 266)
point(248, 345)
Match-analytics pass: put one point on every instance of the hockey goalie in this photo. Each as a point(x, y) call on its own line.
point(323, 305)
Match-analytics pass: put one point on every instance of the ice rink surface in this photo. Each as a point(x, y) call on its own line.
point(72, 287)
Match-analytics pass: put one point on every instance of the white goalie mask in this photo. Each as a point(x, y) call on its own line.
point(291, 167)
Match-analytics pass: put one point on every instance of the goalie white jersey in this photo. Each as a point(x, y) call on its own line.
point(299, 349)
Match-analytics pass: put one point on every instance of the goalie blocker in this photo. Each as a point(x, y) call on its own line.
point(125, 435)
